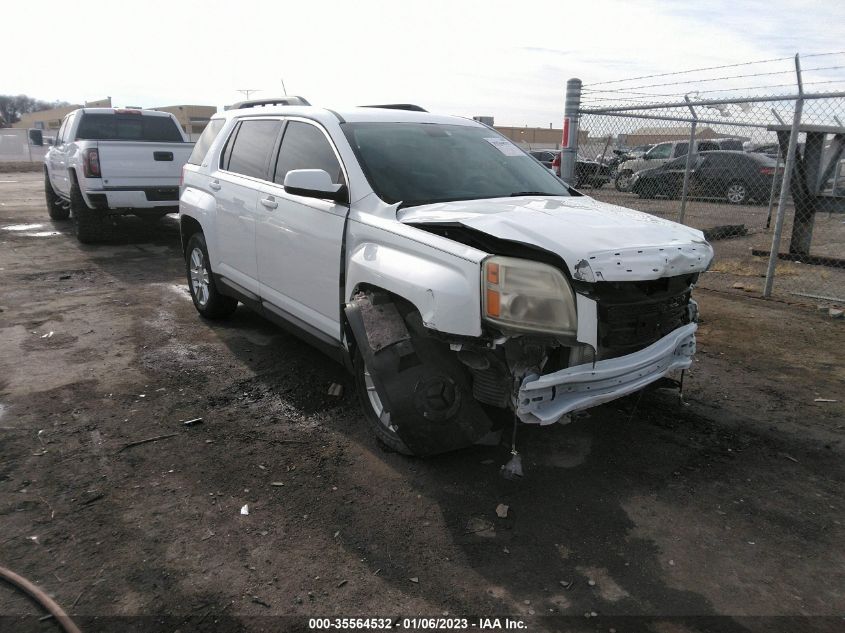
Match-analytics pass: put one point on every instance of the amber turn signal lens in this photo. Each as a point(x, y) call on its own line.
point(492, 273)
point(493, 307)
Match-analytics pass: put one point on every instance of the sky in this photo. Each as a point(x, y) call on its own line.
point(509, 60)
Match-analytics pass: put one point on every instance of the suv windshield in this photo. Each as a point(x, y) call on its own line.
point(423, 163)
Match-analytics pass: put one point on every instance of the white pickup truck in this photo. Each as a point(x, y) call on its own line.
point(107, 162)
point(454, 275)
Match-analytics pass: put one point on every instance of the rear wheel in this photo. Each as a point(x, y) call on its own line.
point(55, 207)
point(208, 301)
point(623, 180)
point(90, 225)
point(737, 192)
point(377, 418)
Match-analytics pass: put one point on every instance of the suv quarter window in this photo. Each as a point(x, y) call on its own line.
point(305, 146)
point(249, 148)
point(205, 140)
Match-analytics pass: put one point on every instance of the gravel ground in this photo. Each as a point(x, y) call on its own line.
point(724, 513)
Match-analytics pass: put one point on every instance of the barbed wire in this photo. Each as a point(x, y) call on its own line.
point(727, 78)
point(693, 70)
point(644, 96)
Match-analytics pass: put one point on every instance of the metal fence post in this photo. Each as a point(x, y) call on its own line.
point(785, 184)
point(569, 144)
point(690, 150)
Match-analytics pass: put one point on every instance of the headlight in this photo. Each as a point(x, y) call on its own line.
point(527, 296)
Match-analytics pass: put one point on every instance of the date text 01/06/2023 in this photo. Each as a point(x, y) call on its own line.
point(421, 624)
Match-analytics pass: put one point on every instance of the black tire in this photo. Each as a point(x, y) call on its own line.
point(209, 302)
point(737, 192)
point(55, 207)
point(622, 182)
point(91, 226)
point(378, 425)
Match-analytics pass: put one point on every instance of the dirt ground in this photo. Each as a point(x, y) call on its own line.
point(724, 513)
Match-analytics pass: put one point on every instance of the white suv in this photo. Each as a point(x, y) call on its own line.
point(450, 271)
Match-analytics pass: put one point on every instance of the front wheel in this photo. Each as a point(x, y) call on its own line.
point(378, 419)
point(623, 180)
point(208, 301)
point(737, 192)
point(55, 207)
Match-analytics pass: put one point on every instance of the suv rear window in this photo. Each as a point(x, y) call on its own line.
point(251, 148)
point(205, 140)
point(111, 126)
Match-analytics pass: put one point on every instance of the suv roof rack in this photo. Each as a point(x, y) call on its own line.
point(398, 106)
point(287, 101)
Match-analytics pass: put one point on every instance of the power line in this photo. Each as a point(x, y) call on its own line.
point(694, 70)
point(640, 96)
point(696, 81)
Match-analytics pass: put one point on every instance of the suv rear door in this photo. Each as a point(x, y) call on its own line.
point(298, 239)
point(244, 167)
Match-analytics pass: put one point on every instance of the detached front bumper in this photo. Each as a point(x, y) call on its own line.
point(545, 399)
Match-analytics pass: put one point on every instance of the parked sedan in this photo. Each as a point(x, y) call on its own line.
point(733, 175)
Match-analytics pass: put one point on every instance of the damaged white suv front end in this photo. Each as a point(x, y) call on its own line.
point(602, 308)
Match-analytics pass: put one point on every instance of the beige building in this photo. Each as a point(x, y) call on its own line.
point(192, 118)
point(537, 137)
point(51, 119)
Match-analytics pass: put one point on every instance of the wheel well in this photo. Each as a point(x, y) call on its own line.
point(187, 227)
point(403, 305)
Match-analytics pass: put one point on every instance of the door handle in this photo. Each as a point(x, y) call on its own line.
point(269, 202)
point(214, 185)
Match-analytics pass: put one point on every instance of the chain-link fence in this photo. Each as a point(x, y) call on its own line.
point(720, 165)
point(16, 146)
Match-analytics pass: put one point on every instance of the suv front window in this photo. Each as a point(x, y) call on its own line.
point(305, 147)
point(423, 163)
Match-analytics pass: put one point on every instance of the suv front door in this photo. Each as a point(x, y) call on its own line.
point(298, 239)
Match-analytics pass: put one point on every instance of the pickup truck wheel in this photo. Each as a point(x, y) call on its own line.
point(55, 208)
point(377, 418)
point(90, 226)
point(208, 301)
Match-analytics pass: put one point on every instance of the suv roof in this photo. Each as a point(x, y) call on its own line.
point(361, 114)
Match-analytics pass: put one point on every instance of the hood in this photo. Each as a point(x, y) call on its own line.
point(596, 240)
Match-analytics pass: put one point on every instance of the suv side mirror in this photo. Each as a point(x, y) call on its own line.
point(314, 183)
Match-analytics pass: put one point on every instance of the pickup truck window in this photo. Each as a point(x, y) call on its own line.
point(110, 126)
point(423, 163)
point(305, 147)
point(252, 147)
point(205, 140)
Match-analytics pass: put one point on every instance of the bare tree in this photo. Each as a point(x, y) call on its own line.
point(13, 106)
